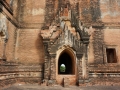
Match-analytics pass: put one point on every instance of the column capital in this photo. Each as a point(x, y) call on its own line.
point(79, 56)
point(53, 55)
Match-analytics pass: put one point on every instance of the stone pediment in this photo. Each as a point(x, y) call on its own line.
point(65, 35)
point(66, 30)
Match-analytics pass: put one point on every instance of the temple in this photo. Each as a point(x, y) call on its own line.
point(60, 42)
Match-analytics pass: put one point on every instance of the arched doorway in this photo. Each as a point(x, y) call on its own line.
point(66, 64)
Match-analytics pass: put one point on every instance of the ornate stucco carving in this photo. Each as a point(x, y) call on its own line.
point(3, 35)
point(3, 29)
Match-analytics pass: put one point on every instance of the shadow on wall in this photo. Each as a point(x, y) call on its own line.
point(40, 48)
point(95, 10)
point(90, 10)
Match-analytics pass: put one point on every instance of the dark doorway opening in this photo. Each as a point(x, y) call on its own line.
point(66, 60)
point(111, 55)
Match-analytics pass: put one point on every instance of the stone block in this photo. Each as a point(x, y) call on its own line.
point(66, 82)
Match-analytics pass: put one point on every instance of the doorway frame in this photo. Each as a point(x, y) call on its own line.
point(72, 53)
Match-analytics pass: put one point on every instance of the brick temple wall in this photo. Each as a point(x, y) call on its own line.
point(32, 11)
point(1, 47)
point(108, 36)
point(10, 46)
point(9, 15)
point(8, 74)
point(32, 15)
point(30, 47)
point(29, 44)
point(25, 45)
point(11, 73)
point(112, 40)
point(110, 10)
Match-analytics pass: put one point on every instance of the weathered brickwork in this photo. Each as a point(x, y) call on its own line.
point(98, 46)
point(16, 7)
point(104, 74)
point(30, 47)
point(10, 47)
point(111, 40)
point(11, 73)
point(90, 10)
point(35, 34)
point(1, 48)
point(7, 74)
point(32, 11)
point(110, 10)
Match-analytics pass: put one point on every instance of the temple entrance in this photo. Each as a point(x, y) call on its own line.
point(66, 66)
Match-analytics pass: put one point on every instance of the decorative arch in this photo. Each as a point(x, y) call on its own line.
point(71, 68)
point(66, 56)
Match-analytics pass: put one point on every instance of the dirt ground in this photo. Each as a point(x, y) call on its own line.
point(38, 87)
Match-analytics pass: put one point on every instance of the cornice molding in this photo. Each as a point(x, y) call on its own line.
point(109, 25)
point(24, 25)
point(8, 14)
point(7, 6)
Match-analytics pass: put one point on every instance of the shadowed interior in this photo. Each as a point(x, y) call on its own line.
point(111, 55)
point(68, 60)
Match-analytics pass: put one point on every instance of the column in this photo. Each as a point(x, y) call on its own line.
point(4, 49)
point(85, 61)
point(53, 67)
point(52, 80)
point(46, 64)
point(79, 66)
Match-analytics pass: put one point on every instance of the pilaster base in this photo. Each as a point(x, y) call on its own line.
point(83, 82)
point(52, 82)
point(48, 83)
point(44, 82)
point(2, 60)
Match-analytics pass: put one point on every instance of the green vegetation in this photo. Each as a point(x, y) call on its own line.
point(62, 68)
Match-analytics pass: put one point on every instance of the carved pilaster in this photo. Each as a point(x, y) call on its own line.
point(83, 72)
point(52, 80)
point(53, 67)
point(46, 63)
point(87, 71)
point(86, 64)
point(79, 66)
point(46, 68)
point(4, 48)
